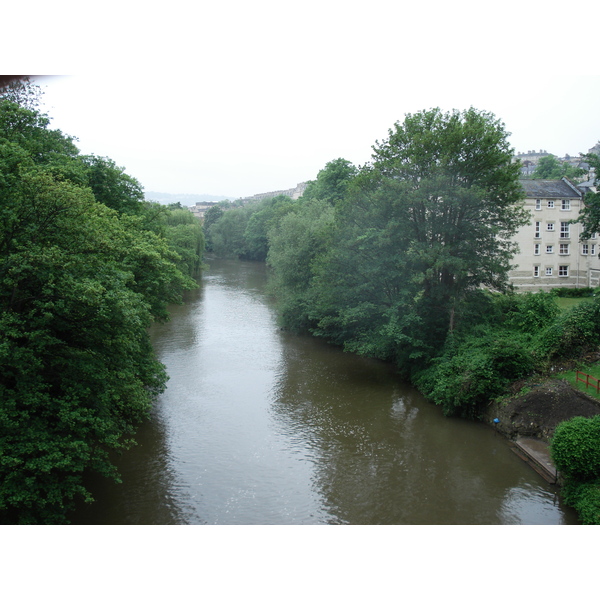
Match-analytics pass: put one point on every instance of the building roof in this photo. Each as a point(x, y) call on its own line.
point(549, 188)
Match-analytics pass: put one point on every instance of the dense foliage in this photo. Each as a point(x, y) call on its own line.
point(85, 267)
point(576, 453)
point(549, 167)
point(241, 232)
point(584, 497)
point(576, 448)
point(413, 236)
point(184, 234)
point(475, 370)
point(572, 333)
point(590, 215)
point(296, 246)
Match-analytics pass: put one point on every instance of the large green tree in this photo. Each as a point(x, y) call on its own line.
point(421, 229)
point(332, 181)
point(80, 282)
point(458, 197)
point(112, 186)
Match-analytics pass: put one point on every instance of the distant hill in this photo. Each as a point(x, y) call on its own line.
point(185, 199)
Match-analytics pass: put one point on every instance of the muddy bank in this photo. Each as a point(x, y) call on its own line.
point(535, 408)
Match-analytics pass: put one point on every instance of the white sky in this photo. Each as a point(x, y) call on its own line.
point(236, 98)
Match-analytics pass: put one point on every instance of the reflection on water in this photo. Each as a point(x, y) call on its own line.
point(259, 426)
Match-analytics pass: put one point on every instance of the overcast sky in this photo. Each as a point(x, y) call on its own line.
point(236, 98)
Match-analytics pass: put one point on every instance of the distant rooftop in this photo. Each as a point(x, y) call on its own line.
point(549, 188)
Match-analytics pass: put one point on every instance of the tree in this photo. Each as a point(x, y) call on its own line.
point(211, 216)
point(29, 129)
point(549, 167)
point(77, 370)
point(112, 186)
point(21, 91)
point(332, 181)
point(459, 197)
point(296, 244)
point(186, 237)
point(590, 215)
point(80, 283)
point(227, 233)
point(421, 229)
point(267, 216)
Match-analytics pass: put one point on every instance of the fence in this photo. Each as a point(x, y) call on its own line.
point(586, 379)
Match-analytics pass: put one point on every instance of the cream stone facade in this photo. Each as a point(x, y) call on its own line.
point(550, 251)
point(199, 209)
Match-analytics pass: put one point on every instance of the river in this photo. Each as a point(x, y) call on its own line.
point(260, 426)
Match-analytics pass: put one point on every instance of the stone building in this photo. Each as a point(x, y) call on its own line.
point(550, 251)
point(529, 160)
point(200, 208)
point(293, 193)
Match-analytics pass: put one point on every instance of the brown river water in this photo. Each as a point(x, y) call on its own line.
point(260, 426)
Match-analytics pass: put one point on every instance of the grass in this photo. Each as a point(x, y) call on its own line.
point(571, 377)
point(566, 303)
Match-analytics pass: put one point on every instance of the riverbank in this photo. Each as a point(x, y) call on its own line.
point(534, 408)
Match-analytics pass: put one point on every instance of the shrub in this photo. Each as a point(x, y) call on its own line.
point(585, 499)
point(573, 292)
point(575, 448)
point(531, 312)
point(478, 369)
point(572, 333)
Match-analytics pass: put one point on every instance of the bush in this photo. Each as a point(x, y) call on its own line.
point(480, 368)
point(572, 334)
point(575, 448)
point(530, 312)
point(574, 292)
point(585, 499)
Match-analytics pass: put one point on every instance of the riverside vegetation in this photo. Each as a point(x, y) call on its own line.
point(389, 260)
point(86, 265)
point(406, 259)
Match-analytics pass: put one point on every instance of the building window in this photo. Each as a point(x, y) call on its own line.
point(536, 271)
point(584, 249)
point(536, 248)
point(548, 270)
point(566, 204)
point(593, 249)
point(563, 249)
point(564, 229)
point(563, 271)
point(594, 235)
point(538, 204)
point(550, 203)
point(538, 225)
point(549, 249)
point(550, 227)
